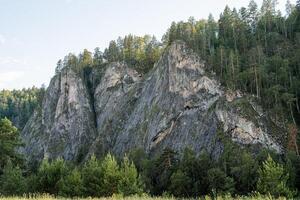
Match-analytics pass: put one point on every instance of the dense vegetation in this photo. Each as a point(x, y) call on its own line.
point(18, 105)
point(253, 50)
point(236, 172)
point(250, 49)
point(139, 53)
point(144, 197)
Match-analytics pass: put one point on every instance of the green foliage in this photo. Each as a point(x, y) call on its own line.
point(292, 167)
point(251, 50)
point(32, 183)
point(98, 57)
point(235, 172)
point(138, 52)
point(180, 184)
point(192, 171)
point(111, 175)
point(71, 185)
point(12, 181)
point(240, 165)
point(219, 182)
point(130, 182)
point(273, 180)
point(50, 173)
point(191, 176)
point(92, 177)
point(18, 105)
point(241, 168)
point(9, 141)
point(113, 53)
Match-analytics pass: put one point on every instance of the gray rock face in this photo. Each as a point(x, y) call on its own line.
point(176, 105)
point(64, 126)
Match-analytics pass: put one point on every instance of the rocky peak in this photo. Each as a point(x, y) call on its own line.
point(63, 127)
point(176, 105)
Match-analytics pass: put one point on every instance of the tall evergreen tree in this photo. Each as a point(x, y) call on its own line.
point(9, 141)
point(273, 180)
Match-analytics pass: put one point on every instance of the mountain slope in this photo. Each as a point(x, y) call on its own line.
point(64, 126)
point(176, 105)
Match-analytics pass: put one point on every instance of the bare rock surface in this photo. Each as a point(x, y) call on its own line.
point(178, 104)
point(64, 126)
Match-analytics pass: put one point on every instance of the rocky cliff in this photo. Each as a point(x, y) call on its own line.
point(178, 104)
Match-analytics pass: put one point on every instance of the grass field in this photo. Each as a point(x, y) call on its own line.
point(49, 197)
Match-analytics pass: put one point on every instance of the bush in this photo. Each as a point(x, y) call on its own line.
point(49, 175)
point(12, 181)
point(92, 176)
point(32, 184)
point(9, 141)
point(219, 182)
point(71, 185)
point(180, 184)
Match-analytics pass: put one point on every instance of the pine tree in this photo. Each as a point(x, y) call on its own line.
point(273, 180)
point(219, 182)
point(130, 182)
point(180, 184)
point(85, 60)
point(92, 175)
point(9, 141)
point(71, 185)
point(59, 66)
point(98, 57)
point(49, 175)
point(111, 175)
point(12, 181)
point(112, 54)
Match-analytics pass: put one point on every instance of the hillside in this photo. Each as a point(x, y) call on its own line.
point(211, 109)
point(178, 104)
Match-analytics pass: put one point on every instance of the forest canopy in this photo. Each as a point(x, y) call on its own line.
point(254, 50)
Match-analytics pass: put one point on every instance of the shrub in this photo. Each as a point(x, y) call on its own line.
point(219, 182)
point(92, 176)
point(12, 181)
point(71, 185)
point(49, 175)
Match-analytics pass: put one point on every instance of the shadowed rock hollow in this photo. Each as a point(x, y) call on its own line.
point(176, 105)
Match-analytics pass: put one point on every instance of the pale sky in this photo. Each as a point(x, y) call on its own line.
point(35, 34)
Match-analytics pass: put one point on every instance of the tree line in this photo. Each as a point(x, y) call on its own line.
point(137, 52)
point(253, 50)
point(19, 105)
point(235, 172)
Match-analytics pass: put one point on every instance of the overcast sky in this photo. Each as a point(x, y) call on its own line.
point(35, 34)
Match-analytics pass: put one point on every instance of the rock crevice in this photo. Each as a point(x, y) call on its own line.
point(177, 105)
